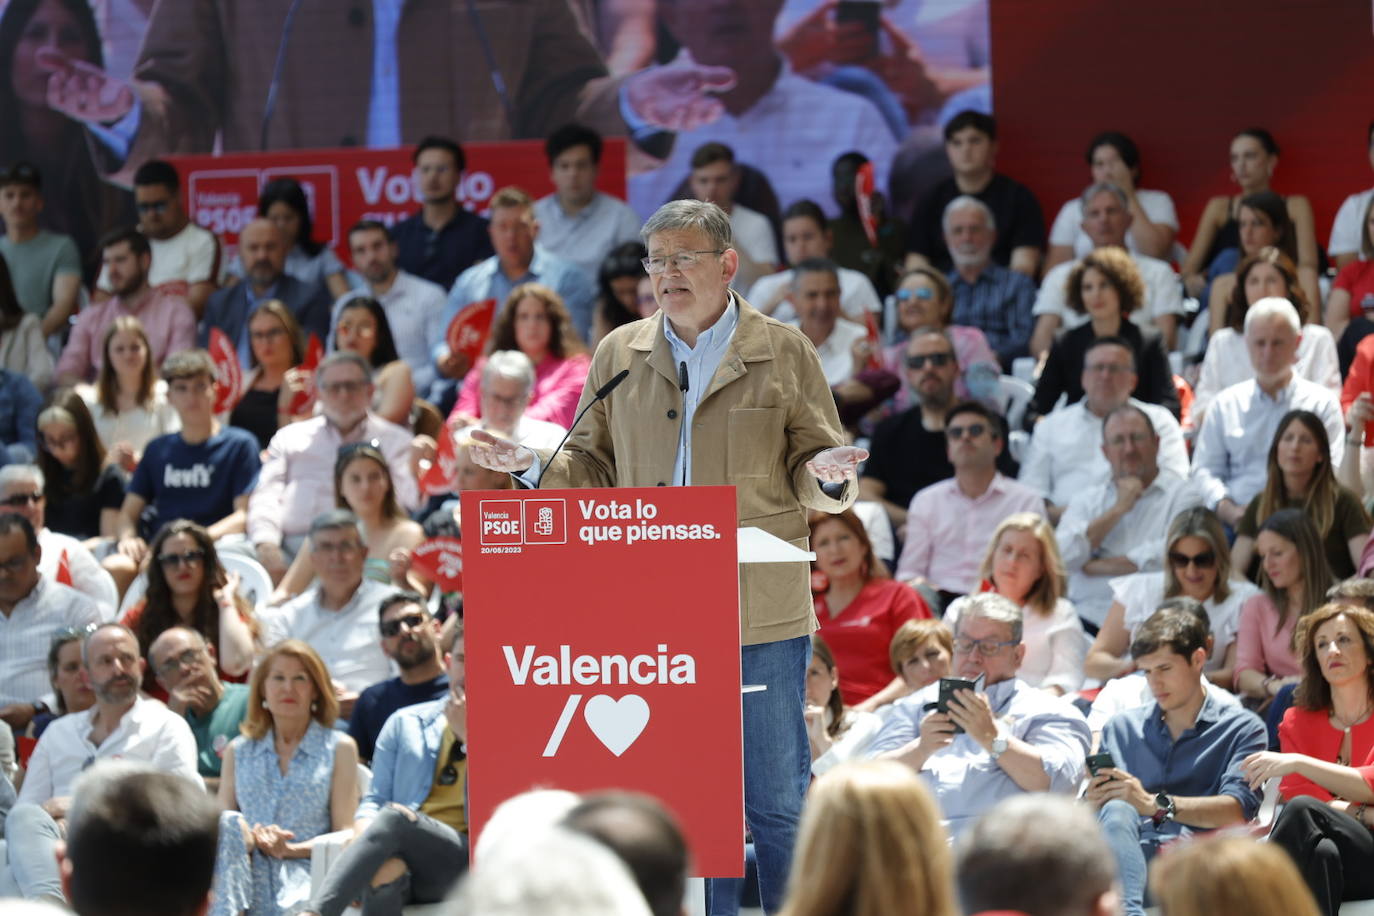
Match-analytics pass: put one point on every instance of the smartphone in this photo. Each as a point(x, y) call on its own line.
point(947, 687)
point(1101, 761)
point(864, 12)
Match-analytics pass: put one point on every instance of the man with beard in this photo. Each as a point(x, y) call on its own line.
point(987, 296)
point(122, 724)
point(184, 665)
point(441, 239)
point(166, 318)
point(410, 639)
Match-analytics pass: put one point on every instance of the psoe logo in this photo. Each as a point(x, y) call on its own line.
point(500, 522)
point(546, 521)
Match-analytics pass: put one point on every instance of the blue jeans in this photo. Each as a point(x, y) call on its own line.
point(777, 766)
point(1134, 842)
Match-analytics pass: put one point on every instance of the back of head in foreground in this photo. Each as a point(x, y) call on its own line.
point(554, 873)
point(645, 836)
point(1227, 873)
point(140, 842)
point(870, 844)
point(1038, 854)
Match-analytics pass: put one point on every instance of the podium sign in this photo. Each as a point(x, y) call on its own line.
point(602, 640)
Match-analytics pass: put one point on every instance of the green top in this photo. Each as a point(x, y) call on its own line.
point(36, 263)
point(215, 731)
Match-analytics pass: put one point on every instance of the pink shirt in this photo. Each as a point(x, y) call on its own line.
point(297, 480)
point(167, 320)
point(557, 389)
point(947, 533)
point(1258, 647)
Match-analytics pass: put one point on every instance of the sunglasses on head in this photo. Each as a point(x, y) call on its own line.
point(1205, 560)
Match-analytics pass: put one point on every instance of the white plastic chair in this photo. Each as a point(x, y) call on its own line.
point(254, 582)
point(1014, 396)
point(137, 588)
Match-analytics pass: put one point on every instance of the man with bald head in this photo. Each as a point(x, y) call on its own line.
point(263, 249)
point(185, 666)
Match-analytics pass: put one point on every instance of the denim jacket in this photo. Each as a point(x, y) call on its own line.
point(406, 755)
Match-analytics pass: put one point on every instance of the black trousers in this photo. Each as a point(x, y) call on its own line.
point(1333, 851)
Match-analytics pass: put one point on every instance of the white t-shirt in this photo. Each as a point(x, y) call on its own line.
point(1345, 231)
point(190, 256)
point(857, 294)
point(1163, 293)
point(1140, 595)
point(753, 237)
point(836, 359)
point(1068, 225)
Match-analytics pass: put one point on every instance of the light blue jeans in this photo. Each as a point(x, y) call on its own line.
point(777, 767)
point(1134, 842)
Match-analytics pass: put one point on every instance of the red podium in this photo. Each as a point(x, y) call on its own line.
point(602, 640)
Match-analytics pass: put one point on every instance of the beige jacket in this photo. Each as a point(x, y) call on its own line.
point(767, 412)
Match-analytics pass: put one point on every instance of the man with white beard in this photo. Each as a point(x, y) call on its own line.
point(987, 296)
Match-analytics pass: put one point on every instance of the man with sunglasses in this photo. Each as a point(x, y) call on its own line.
point(185, 666)
point(1004, 739)
point(995, 299)
point(950, 523)
point(410, 638)
point(410, 834)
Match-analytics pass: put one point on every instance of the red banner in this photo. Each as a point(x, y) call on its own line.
point(589, 669)
point(228, 372)
point(468, 331)
point(442, 474)
point(440, 560)
point(347, 185)
point(314, 352)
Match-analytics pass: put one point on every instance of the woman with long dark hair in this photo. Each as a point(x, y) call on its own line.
point(83, 491)
point(283, 201)
point(619, 278)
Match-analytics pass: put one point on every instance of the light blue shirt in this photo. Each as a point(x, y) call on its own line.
point(384, 105)
point(487, 280)
point(587, 236)
point(702, 362)
point(405, 757)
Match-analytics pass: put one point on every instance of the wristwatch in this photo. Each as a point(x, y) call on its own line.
point(999, 744)
point(1165, 809)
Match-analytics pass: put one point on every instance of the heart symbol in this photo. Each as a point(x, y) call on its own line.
point(616, 723)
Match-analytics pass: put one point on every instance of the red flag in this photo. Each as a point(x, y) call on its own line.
point(875, 338)
point(228, 372)
point(468, 331)
point(64, 569)
point(863, 196)
point(442, 475)
point(314, 352)
point(441, 561)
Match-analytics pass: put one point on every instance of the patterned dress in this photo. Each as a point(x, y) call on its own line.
point(298, 801)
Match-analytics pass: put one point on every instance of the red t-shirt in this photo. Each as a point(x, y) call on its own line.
point(1357, 278)
point(1309, 732)
point(860, 636)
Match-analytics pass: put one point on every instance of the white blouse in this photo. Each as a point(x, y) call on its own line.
point(1140, 595)
point(136, 427)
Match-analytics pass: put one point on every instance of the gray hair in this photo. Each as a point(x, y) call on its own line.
point(994, 607)
point(519, 817)
point(1038, 854)
point(1124, 410)
point(1100, 187)
point(335, 520)
point(966, 202)
point(1273, 307)
point(22, 473)
point(690, 216)
point(343, 357)
point(509, 364)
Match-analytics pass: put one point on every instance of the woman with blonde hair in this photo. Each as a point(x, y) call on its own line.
point(290, 778)
point(1022, 563)
point(921, 653)
point(128, 401)
point(871, 844)
point(275, 346)
point(1228, 874)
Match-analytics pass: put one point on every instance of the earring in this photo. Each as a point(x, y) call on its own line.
point(314, 707)
point(264, 704)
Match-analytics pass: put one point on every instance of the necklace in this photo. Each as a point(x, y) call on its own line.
point(1353, 722)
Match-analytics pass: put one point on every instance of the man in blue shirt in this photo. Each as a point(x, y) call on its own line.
point(1176, 762)
point(19, 406)
point(410, 638)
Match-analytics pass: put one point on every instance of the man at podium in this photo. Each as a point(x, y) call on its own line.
point(716, 393)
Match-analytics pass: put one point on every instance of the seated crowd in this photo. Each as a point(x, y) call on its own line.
point(1111, 543)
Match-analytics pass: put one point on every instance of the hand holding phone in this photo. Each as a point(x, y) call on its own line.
point(948, 685)
point(1099, 762)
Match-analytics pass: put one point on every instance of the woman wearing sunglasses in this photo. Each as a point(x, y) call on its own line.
point(925, 300)
point(188, 587)
point(1196, 565)
point(290, 778)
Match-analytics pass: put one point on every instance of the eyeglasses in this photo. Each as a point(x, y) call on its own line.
point(1132, 438)
point(350, 387)
point(20, 500)
point(972, 431)
point(391, 628)
point(177, 560)
point(683, 260)
point(1109, 368)
point(172, 665)
point(264, 336)
point(938, 360)
point(988, 648)
point(153, 206)
point(449, 774)
point(342, 548)
point(1204, 560)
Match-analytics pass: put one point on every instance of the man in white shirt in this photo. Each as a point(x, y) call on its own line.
point(1230, 458)
point(414, 307)
point(1065, 455)
point(121, 725)
point(806, 235)
point(337, 615)
point(576, 221)
point(22, 492)
point(1117, 526)
point(841, 344)
point(1106, 220)
point(32, 608)
point(715, 179)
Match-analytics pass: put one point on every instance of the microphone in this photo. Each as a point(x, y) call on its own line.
point(682, 426)
point(600, 395)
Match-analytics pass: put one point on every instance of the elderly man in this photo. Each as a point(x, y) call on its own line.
point(32, 608)
point(991, 745)
point(22, 492)
point(1117, 527)
point(1065, 457)
point(1176, 763)
point(507, 382)
point(337, 615)
point(297, 479)
point(987, 296)
point(784, 456)
point(121, 725)
point(413, 306)
point(1231, 454)
point(185, 666)
point(263, 249)
point(1106, 220)
point(578, 222)
point(806, 235)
